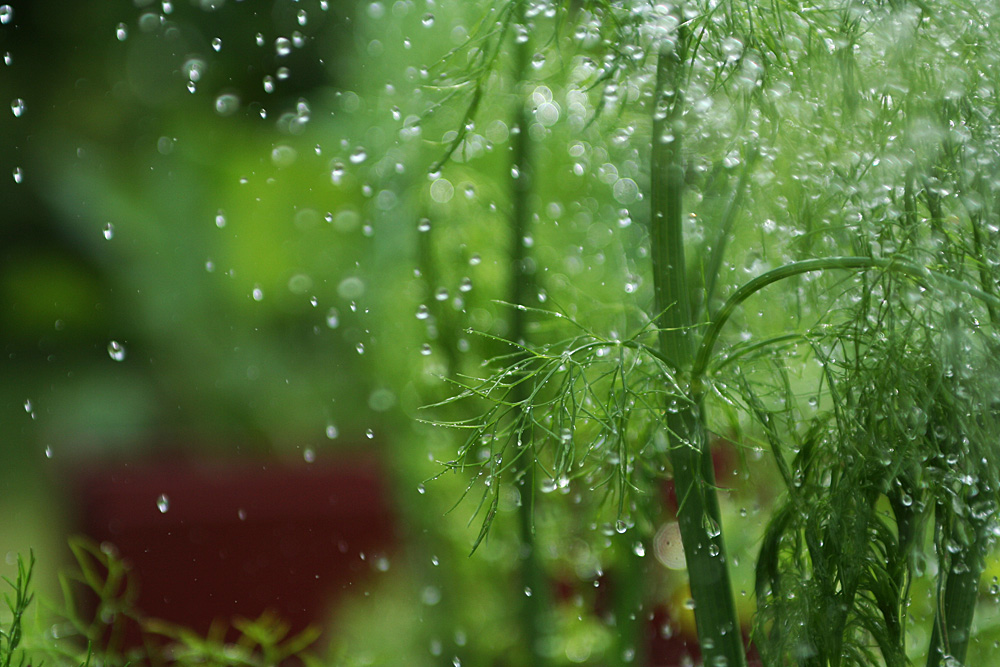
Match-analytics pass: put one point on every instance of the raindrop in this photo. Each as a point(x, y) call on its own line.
point(332, 318)
point(638, 549)
point(441, 294)
point(302, 17)
point(6, 14)
point(465, 285)
point(242, 514)
point(27, 406)
point(620, 526)
point(425, 349)
point(17, 107)
point(121, 32)
point(193, 69)
point(430, 596)
point(227, 104)
point(424, 225)
point(163, 503)
point(18, 174)
point(475, 260)
point(109, 231)
point(369, 433)
point(360, 347)
point(427, 20)
point(337, 173)
point(358, 156)
point(308, 455)
point(258, 293)
point(538, 60)
point(421, 489)
point(116, 351)
point(268, 84)
point(282, 46)
point(527, 591)
point(331, 431)
point(216, 44)
point(7, 58)
point(48, 451)
point(260, 39)
point(434, 561)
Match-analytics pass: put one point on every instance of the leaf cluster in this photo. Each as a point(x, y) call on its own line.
point(584, 411)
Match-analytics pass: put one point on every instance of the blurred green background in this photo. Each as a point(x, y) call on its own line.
point(220, 239)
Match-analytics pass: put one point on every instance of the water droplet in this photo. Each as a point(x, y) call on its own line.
point(109, 231)
point(116, 351)
point(8, 58)
point(332, 318)
point(259, 39)
point(216, 44)
point(527, 591)
point(220, 219)
point(241, 514)
point(302, 17)
point(423, 312)
point(424, 225)
point(268, 84)
point(425, 349)
point(538, 60)
point(17, 107)
point(18, 174)
point(308, 455)
point(430, 596)
point(639, 549)
point(162, 503)
point(227, 104)
point(27, 405)
point(475, 260)
point(369, 433)
point(337, 173)
point(360, 347)
point(331, 431)
point(282, 46)
point(48, 451)
point(6, 14)
point(258, 293)
point(620, 526)
point(434, 561)
point(358, 156)
point(421, 489)
point(427, 20)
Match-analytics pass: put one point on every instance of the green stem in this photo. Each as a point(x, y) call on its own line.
point(921, 274)
point(533, 592)
point(698, 512)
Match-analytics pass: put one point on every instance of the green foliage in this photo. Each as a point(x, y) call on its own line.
point(11, 652)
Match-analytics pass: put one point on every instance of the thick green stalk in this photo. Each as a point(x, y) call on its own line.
point(533, 593)
point(694, 478)
point(958, 591)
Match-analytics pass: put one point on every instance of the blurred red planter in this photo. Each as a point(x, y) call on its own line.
point(212, 540)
